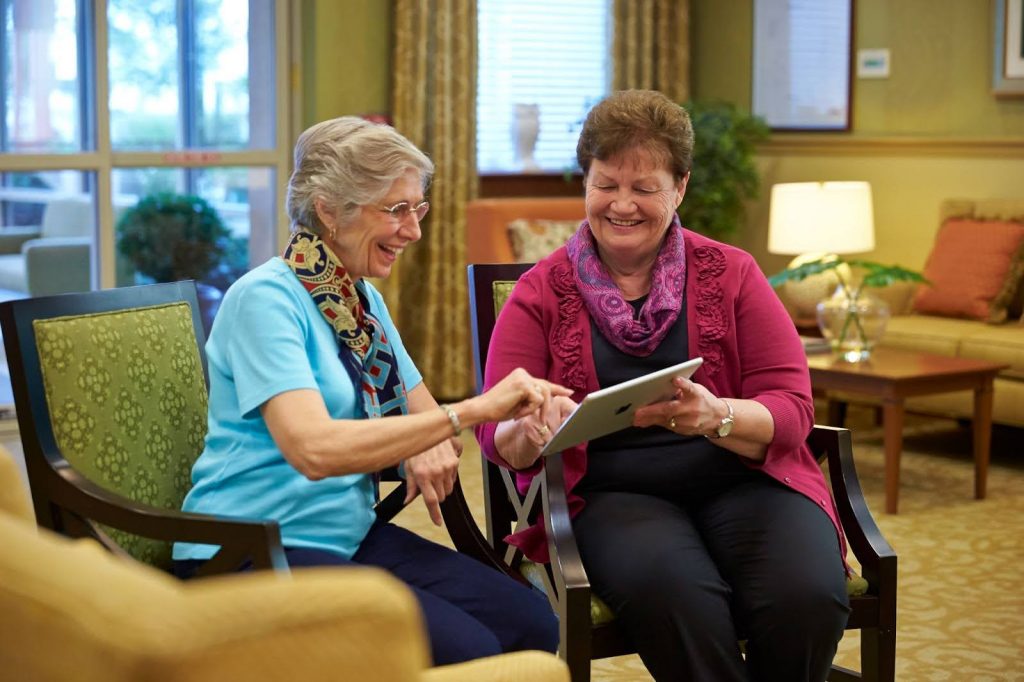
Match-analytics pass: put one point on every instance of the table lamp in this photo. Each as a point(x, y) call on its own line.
point(813, 221)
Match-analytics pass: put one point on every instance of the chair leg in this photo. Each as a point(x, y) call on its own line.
point(878, 654)
point(575, 650)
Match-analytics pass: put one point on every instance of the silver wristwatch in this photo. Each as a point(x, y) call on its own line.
point(725, 426)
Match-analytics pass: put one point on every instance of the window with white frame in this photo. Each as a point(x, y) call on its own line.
point(192, 100)
point(541, 66)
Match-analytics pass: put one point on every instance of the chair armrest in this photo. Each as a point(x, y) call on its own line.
point(239, 539)
point(458, 520)
point(565, 555)
point(572, 586)
point(876, 556)
point(12, 238)
point(466, 535)
point(57, 265)
point(535, 666)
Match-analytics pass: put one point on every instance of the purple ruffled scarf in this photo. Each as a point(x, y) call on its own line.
point(611, 312)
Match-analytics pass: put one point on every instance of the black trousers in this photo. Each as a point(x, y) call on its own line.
point(745, 558)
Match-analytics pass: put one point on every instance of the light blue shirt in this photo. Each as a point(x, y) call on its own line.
point(268, 338)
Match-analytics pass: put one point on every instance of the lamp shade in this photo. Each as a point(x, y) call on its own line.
point(821, 217)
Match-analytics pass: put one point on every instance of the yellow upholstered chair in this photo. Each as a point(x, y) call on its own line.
point(70, 610)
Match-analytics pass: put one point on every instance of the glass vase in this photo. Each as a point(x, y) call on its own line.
point(852, 322)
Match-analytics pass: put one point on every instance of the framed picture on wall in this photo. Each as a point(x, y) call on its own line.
point(1008, 58)
point(802, 64)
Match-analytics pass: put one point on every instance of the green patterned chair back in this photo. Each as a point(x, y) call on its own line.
point(502, 290)
point(127, 400)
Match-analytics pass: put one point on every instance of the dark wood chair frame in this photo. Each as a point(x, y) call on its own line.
point(568, 587)
point(68, 503)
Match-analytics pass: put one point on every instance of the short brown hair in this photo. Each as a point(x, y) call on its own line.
point(638, 119)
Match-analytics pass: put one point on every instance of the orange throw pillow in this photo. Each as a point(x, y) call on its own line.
point(975, 270)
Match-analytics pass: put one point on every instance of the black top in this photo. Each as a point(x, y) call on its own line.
point(652, 460)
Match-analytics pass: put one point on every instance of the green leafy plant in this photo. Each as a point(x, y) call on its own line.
point(170, 237)
point(869, 274)
point(724, 174)
point(875, 274)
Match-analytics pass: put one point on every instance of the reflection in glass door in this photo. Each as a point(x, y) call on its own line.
point(189, 103)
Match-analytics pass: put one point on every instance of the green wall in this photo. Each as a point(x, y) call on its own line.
point(941, 66)
point(941, 52)
point(721, 50)
point(930, 132)
point(346, 51)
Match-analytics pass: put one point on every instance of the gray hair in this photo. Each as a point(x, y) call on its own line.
point(347, 163)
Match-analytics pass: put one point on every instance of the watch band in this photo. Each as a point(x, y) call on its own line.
point(724, 427)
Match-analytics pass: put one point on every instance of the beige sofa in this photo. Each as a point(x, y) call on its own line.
point(1002, 343)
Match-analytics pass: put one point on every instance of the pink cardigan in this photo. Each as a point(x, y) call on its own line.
point(734, 321)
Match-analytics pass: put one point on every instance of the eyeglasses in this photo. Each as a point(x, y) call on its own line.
point(403, 209)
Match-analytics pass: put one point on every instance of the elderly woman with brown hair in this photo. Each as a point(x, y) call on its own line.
point(707, 522)
point(312, 391)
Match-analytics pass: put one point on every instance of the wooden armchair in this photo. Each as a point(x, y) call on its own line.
point(588, 629)
point(110, 389)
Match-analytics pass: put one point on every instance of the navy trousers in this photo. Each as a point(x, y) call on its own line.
point(471, 611)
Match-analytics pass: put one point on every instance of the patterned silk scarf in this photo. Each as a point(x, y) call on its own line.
point(364, 348)
point(610, 311)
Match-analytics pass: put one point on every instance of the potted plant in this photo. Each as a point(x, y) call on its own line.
point(724, 173)
point(851, 320)
point(169, 237)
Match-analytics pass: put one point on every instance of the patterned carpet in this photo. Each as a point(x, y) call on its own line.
point(961, 592)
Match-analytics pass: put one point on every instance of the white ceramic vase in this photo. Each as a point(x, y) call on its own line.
point(525, 130)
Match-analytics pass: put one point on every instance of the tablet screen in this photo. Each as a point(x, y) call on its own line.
point(611, 409)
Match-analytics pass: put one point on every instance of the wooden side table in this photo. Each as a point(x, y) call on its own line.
point(893, 376)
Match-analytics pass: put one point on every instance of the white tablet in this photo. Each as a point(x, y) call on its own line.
point(611, 409)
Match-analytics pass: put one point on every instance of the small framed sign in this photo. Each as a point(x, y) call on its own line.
point(873, 63)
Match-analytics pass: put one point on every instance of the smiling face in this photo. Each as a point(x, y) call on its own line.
point(370, 244)
point(631, 199)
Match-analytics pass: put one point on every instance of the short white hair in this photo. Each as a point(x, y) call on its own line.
point(346, 163)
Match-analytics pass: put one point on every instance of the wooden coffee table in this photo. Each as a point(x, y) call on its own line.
point(894, 375)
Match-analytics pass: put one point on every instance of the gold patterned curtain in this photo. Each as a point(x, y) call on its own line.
point(651, 47)
point(433, 104)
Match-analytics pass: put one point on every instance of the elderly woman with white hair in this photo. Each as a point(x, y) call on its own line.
point(312, 391)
